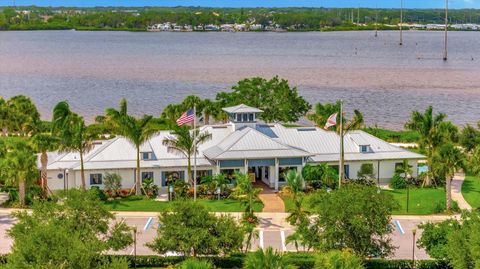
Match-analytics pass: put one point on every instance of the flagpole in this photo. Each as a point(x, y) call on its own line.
point(194, 153)
point(341, 161)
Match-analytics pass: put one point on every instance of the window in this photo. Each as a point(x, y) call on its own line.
point(147, 155)
point(250, 117)
point(239, 117)
point(230, 173)
point(245, 117)
point(95, 179)
point(201, 174)
point(147, 175)
point(170, 176)
point(364, 148)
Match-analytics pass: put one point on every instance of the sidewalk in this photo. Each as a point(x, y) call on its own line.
point(457, 192)
point(270, 199)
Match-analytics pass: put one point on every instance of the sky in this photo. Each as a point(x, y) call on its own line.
point(251, 3)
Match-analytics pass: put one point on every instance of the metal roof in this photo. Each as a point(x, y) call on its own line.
point(242, 109)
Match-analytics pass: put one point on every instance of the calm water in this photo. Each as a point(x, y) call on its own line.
point(93, 70)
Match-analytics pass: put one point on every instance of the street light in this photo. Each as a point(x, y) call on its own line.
point(445, 52)
point(66, 180)
point(401, 22)
point(135, 247)
point(409, 178)
point(170, 192)
point(414, 232)
point(218, 192)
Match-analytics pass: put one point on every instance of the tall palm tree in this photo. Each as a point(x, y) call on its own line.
point(209, 108)
point(43, 143)
point(20, 164)
point(266, 259)
point(434, 131)
point(22, 115)
point(136, 130)
point(183, 142)
point(246, 192)
point(74, 134)
point(449, 160)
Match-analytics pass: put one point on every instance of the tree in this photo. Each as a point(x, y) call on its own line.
point(336, 259)
point(73, 133)
point(475, 162)
point(136, 130)
point(362, 224)
point(248, 195)
point(279, 101)
point(456, 241)
point(294, 188)
point(469, 137)
point(448, 161)
point(366, 172)
point(22, 115)
point(188, 228)
point(186, 143)
point(266, 259)
point(43, 143)
point(20, 165)
point(434, 131)
point(73, 234)
point(324, 111)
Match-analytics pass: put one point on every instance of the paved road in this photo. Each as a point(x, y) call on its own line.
point(272, 233)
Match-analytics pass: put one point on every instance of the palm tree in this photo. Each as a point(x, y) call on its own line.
point(22, 115)
point(43, 143)
point(183, 142)
point(74, 134)
point(434, 131)
point(266, 259)
point(246, 192)
point(294, 187)
point(449, 160)
point(171, 113)
point(20, 165)
point(136, 130)
point(324, 111)
point(209, 108)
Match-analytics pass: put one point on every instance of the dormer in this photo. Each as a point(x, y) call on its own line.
point(242, 115)
point(146, 152)
point(365, 149)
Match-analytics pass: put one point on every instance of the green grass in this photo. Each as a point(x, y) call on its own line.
point(393, 136)
point(142, 204)
point(423, 201)
point(471, 191)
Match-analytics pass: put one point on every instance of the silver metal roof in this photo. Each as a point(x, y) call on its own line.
point(242, 109)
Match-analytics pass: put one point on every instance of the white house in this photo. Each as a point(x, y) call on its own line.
point(243, 144)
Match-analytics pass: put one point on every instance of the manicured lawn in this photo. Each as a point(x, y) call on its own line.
point(135, 203)
point(471, 191)
point(423, 201)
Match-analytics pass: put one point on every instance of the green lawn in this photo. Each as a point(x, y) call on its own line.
point(422, 201)
point(142, 204)
point(471, 191)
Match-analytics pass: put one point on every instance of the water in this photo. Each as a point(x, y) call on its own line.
point(93, 70)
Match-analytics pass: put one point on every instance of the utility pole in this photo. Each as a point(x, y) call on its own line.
point(376, 21)
point(401, 22)
point(445, 51)
point(341, 169)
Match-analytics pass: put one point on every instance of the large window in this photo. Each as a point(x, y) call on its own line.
point(170, 176)
point(95, 179)
point(147, 175)
point(201, 174)
point(230, 173)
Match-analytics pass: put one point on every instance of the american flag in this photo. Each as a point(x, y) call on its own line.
point(331, 121)
point(187, 117)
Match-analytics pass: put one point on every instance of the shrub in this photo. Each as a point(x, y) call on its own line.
point(398, 182)
point(338, 259)
point(440, 207)
point(95, 190)
point(112, 184)
point(195, 264)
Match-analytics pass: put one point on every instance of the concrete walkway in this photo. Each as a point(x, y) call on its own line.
point(457, 192)
point(271, 201)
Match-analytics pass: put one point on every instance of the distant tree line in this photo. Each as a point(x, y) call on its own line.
point(301, 19)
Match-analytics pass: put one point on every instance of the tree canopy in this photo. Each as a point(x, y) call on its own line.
point(71, 234)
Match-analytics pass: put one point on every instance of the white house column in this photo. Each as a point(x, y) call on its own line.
point(246, 167)
point(276, 174)
point(217, 168)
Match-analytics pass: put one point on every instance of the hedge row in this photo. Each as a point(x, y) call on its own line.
point(301, 260)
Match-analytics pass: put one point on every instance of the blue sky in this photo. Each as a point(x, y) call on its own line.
point(250, 3)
